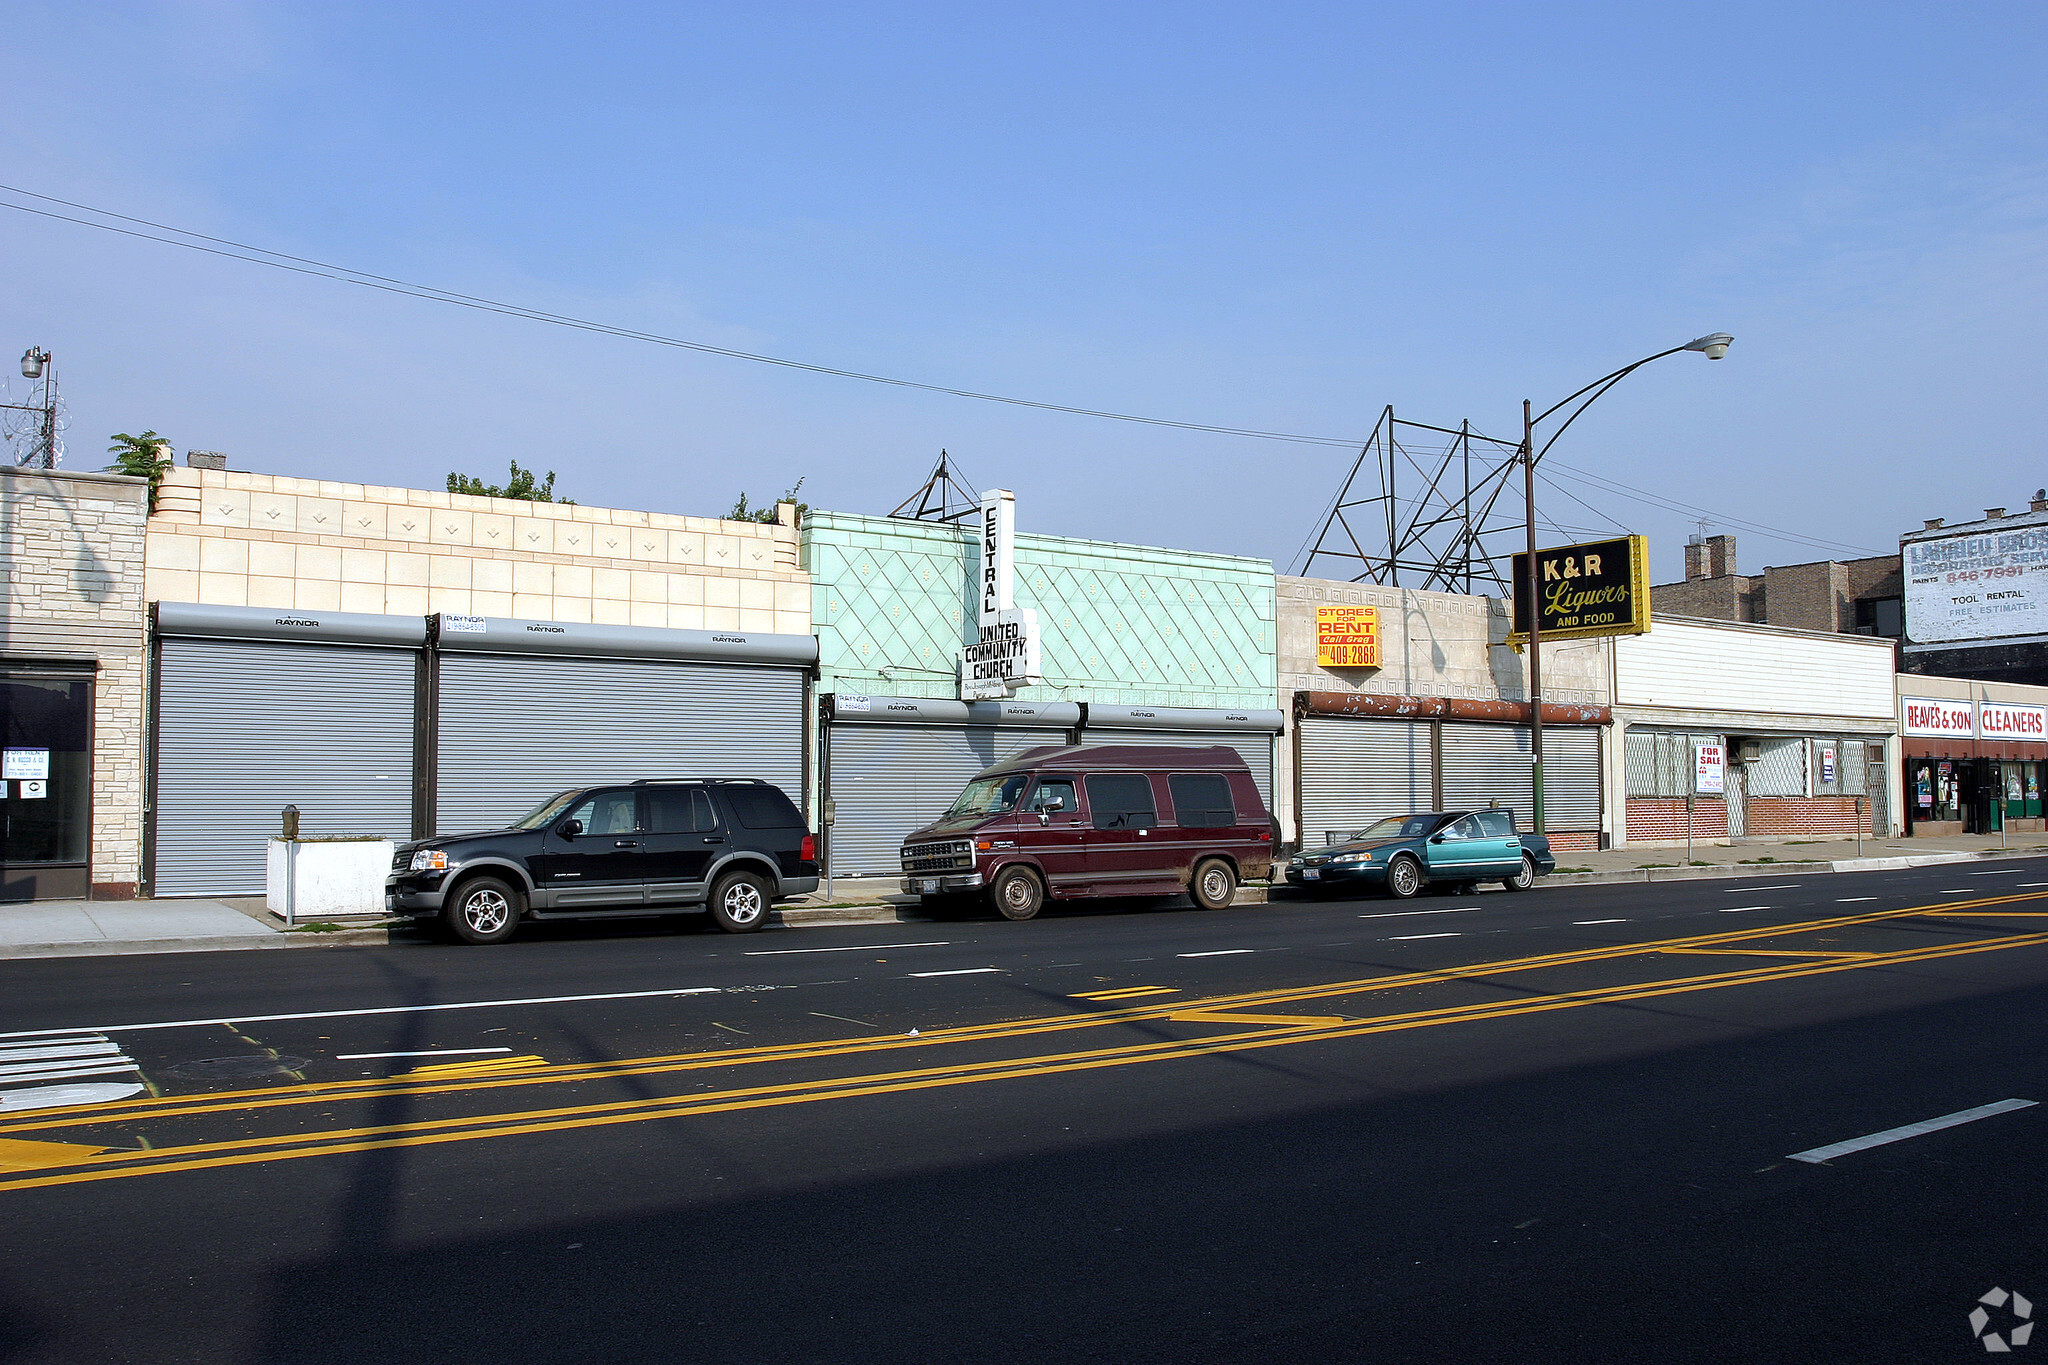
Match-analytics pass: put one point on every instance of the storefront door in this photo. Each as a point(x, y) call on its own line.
point(46, 815)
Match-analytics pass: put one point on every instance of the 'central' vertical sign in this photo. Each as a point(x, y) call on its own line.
point(998, 553)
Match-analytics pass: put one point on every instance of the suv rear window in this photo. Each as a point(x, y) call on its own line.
point(1201, 800)
point(760, 807)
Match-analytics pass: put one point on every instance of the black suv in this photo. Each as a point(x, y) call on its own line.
point(730, 846)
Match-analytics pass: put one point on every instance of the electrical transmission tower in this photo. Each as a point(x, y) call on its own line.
point(944, 497)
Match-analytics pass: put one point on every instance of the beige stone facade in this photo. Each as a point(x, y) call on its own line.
point(229, 538)
point(1432, 644)
point(73, 595)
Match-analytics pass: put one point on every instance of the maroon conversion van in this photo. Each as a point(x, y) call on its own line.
point(1115, 820)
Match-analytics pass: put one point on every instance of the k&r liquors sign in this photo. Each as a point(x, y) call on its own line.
point(1602, 588)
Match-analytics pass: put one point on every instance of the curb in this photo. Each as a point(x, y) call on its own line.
point(1797, 869)
point(117, 947)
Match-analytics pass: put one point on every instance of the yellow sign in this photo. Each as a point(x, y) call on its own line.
point(1600, 588)
point(1347, 637)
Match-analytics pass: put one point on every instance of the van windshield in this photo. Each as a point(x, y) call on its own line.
point(990, 796)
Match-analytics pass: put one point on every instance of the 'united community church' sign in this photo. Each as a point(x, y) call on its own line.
point(1598, 589)
point(1004, 655)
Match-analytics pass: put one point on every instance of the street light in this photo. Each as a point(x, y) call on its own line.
point(1714, 345)
point(34, 361)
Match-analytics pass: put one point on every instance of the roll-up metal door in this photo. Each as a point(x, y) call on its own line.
point(1487, 763)
point(1255, 749)
point(516, 728)
point(888, 780)
point(1353, 772)
point(247, 727)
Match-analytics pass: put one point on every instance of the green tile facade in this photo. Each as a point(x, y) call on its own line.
point(1127, 624)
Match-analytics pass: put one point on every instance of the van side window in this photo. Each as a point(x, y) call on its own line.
point(679, 810)
point(1500, 824)
point(1054, 794)
point(1121, 801)
point(1201, 800)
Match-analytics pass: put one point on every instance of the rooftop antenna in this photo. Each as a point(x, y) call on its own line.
point(945, 496)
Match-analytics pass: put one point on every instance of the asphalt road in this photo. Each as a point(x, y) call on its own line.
point(1557, 1126)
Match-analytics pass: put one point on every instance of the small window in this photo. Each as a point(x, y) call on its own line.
point(609, 813)
point(1121, 801)
point(1497, 824)
point(1201, 800)
point(679, 810)
point(1466, 828)
point(761, 806)
point(1054, 794)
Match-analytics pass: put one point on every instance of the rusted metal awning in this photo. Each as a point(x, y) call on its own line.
point(1366, 704)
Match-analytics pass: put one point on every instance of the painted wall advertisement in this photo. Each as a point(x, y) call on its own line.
point(1601, 588)
point(1977, 587)
point(1347, 637)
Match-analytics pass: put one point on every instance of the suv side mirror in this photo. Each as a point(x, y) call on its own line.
point(570, 829)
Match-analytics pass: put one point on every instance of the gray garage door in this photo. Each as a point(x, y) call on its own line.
point(1354, 772)
point(1251, 733)
point(1485, 763)
point(246, 726)
point(887, 780)
point(514, 728)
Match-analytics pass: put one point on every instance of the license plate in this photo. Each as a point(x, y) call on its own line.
point(1309, 874)
point(927, 886)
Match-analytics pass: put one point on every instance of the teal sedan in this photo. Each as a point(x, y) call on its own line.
point(1455, 850)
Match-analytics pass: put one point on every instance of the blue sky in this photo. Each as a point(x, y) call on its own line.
point(1279, 216)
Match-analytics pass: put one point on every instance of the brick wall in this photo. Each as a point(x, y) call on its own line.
point(1778, 817)
point(1663, 818)
point(1574, 841)
point(1810, 597)
point(228, 538)
point(73, 589)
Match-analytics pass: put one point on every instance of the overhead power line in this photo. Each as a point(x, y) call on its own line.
point(302, 265)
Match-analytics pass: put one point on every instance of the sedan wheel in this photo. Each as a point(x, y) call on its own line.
point(1404, 878)
point(1525, 875)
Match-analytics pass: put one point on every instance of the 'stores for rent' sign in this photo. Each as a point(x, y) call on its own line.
point(1347, 637)
point(1598, 589)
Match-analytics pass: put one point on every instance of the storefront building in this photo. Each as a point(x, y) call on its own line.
point(1803, 721)
point(71, 684)
point(398, 662)
point(1138, 646)
point(1976, 755)
point(1440, 721)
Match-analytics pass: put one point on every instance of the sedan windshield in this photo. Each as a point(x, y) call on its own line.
point(1401, 827)
point(991, 796)
point(544, 812)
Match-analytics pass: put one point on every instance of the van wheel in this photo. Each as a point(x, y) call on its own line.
point(1017, 893)
point(1404, 878)
point(1214, 885)
point(739, 904)
point(483, 910)
point(1525, 875)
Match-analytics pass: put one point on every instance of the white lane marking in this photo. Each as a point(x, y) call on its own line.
point(57, 1096)
point(1599, 921)
point(438, 1052)
point(112, 1068)
point(959, 971)
point(1955, 891)
point(1738, 909)
point(2001, 872)
point(1219, 952)
point(2034, 883)
point(1982, 1111)
point(1403, 938)
point(1403, 914)
point(13, 1070)
point(1737, 890)
point(1850, 900)
point(850, 948)
point(29, 1052)
point(382, 1009)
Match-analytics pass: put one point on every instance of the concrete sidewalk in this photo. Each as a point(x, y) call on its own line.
point(90, 928)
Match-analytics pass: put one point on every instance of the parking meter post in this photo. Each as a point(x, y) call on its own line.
point(1688, 829)
point(291, 865)
point(1859, 827)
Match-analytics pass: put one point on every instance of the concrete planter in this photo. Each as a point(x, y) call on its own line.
point(327, 879)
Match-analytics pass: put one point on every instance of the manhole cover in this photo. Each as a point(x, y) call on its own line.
point(232, 1068)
